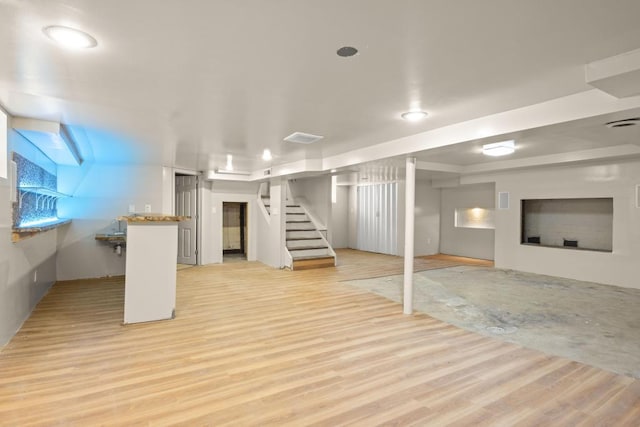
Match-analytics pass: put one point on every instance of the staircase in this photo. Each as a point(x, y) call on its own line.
point(307, 246)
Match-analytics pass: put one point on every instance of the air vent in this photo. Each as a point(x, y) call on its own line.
point(303, 138)
point(624, 123)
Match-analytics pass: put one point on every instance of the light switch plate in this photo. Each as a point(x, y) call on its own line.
point(147, 208)
point(132, 208)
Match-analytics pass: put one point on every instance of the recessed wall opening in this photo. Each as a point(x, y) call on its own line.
point(583, 224)
point(234, 231)
point(474, 218)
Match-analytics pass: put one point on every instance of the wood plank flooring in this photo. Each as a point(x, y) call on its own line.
point(252, 345)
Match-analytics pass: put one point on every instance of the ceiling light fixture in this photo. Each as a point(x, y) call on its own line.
point(414, 116)
point(229, 166)
point(69, 37)
point(623, 123)
point(499, 148)
point(347, 51)
point(266, 155)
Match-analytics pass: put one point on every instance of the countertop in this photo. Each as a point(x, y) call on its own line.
point(21, 233)
point(112, 237)
point(152, 217)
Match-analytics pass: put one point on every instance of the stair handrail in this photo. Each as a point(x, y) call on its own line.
point(262, 207)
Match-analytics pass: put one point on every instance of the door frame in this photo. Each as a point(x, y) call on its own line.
point(217, 200)
point(244, 207)
point(199, 192)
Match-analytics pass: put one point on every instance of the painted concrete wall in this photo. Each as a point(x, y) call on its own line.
point(468, 242)
point(617, 180)
point(21, 262)
point(100, 193)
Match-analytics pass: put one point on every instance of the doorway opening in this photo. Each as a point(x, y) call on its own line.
point(234, 231)
point(186, 204)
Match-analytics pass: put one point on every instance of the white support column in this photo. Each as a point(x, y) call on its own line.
point(410, 197)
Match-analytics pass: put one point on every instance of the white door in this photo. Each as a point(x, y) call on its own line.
point(186, 205)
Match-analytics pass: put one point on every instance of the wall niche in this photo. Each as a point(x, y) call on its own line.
point(579, 224)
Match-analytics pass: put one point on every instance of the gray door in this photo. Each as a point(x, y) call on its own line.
point(186, 205)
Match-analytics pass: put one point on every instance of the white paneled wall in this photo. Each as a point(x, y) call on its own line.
point(378, 218)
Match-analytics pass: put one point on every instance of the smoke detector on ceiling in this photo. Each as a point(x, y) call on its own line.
point(303, 138)
point(623, 123)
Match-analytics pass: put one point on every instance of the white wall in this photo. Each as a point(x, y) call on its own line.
point(100, 193)
point(19, 292)
point(468, 242)
point(339, 227)
point(271, 229)
point(353, 216)
point(315, 195)
point(427, 219)
point(617, 180)
point(426, 239)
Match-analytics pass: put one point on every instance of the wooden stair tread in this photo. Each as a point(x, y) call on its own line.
point(308, 248)
point(298, 221)
point(293, 239)
point(312, 257)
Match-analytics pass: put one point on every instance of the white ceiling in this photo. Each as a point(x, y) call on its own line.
point(184, 83)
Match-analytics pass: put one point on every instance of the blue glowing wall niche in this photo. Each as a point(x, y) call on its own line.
point(32, 208)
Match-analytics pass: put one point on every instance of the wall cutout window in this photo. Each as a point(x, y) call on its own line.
point(585, 224)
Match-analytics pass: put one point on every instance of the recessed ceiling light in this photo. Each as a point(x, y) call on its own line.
point(499, 148)
point(266, 155)
point(229, 165)
point(414, 116)
point(347, 51)
point(334, 170)
point(70, 37)
point(624, 123)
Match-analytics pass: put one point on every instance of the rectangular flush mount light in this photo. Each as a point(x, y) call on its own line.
point(499, 148)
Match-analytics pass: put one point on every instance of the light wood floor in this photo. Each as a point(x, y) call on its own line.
point(256, 346)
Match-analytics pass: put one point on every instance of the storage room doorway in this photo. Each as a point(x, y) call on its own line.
point(234, 231)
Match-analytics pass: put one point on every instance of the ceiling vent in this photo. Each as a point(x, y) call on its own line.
point(623, 123)
point(303, 138)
